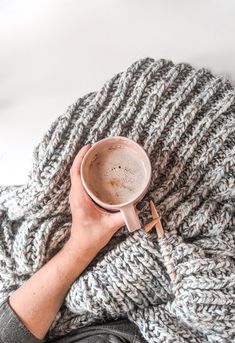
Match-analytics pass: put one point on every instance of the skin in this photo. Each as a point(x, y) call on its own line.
point(39, 299)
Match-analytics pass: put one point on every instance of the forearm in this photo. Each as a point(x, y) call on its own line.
point(38, 300)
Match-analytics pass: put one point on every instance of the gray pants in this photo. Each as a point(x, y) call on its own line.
point(120, 331)
point(12, 330)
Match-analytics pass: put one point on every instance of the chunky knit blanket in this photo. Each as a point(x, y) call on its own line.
point(184, 119)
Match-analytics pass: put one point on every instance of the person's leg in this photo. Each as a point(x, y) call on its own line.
point(119, 331)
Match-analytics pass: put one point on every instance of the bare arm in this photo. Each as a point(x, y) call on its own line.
point(38, 300)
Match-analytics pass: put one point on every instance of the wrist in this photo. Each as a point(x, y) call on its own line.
point(78, 254)
point(70, 263)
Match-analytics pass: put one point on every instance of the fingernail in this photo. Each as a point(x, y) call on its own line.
point(140, 205)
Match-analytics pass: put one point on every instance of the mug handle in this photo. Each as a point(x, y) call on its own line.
point(131, 217)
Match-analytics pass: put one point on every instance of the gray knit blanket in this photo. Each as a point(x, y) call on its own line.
point(185, 120)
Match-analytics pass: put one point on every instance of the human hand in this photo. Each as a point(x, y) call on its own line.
point(92, 226)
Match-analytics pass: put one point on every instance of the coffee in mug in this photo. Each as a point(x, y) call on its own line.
point(116, 173)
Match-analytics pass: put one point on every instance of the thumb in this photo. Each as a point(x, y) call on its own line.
point(117, 221)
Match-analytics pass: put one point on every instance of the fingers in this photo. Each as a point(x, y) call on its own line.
point(141, 205)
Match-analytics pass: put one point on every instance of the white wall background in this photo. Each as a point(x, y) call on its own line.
point(53, 51)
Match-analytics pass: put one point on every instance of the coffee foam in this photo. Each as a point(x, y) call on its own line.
point(116, 175)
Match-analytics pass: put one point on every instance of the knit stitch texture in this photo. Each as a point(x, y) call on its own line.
point(184, 119)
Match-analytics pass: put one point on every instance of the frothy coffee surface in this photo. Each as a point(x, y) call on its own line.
point(116, 175)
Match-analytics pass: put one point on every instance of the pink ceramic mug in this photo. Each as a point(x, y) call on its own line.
point(127, 208)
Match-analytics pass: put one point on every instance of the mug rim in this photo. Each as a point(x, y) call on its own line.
point(137, 197)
